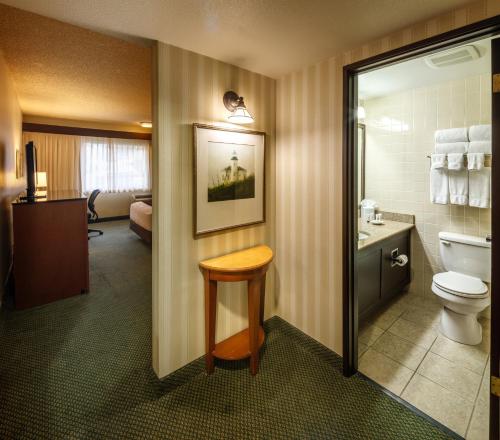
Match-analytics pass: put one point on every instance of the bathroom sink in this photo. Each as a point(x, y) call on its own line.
point(362, 235)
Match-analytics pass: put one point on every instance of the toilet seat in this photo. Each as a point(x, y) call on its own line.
point(461, 285)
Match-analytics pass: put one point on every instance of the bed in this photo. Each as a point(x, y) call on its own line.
point(141, 213)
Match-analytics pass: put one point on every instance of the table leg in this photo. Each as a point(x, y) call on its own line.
point(262, 299)
point(254, 292)
point(210, 317)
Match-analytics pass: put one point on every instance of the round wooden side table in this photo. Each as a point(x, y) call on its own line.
point(247, 265)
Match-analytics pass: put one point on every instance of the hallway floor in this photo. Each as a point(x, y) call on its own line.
point(80, 369)
point(402, 349)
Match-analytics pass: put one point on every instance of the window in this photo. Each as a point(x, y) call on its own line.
point(115, 165)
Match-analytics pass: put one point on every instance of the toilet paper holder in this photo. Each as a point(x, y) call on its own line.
point(397, 259)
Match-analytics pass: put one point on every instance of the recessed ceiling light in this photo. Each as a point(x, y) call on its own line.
point(146, 124)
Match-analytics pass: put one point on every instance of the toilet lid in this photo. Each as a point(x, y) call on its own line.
point(461, 285)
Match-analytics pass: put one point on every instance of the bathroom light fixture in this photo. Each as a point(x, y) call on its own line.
point(146, 124)
point(239, 113)
point(361, 113)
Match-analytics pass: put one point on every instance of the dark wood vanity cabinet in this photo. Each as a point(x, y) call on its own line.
point(379, 278)
point(394, 278)
point(369, 265)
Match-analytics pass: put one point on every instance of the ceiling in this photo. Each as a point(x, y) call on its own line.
point(63, 71)
point(271, 37)
point(416, 73)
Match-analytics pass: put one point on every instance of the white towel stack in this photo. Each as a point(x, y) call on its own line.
point(450, 185)
point(480, 147)
point(479, 175)
point(451, 182)
point(451, 135)
point(452, 147)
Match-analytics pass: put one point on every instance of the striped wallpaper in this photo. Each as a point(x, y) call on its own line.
point(190, 89)
point(308, 180)
point(301, 113)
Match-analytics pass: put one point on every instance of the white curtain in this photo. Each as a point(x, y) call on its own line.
point(115, 165)
point(59, 156)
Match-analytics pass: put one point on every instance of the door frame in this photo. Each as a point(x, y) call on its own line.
point(479, 30)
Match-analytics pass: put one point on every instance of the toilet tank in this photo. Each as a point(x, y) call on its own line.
point(466, 254)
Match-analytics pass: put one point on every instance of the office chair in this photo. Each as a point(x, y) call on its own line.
point(92, 216)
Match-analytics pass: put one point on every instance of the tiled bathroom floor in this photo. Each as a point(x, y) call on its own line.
point(401, 349)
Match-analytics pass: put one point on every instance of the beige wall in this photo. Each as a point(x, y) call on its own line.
point(190, 89)
point(308, 195)
point(399, 136)
point(10, 140)
point(308, 179)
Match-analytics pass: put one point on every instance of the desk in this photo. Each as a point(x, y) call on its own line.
point(51, 259)
point(248, 265)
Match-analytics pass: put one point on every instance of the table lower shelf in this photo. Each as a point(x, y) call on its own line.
point(237, 346)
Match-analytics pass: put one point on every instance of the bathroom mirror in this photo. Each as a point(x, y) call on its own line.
point(361, 161)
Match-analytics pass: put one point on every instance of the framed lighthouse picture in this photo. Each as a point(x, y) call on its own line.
point(229, 178)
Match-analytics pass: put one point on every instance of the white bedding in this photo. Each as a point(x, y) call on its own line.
point(142, 214)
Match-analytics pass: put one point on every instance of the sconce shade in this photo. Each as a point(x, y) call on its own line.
point(41, 179)
point(240, 116)
point(236, 105)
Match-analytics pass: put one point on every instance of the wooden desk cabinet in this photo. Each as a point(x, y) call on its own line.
point(51, 258)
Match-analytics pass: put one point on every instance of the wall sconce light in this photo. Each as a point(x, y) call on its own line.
point(146, 124)
point(239, 113)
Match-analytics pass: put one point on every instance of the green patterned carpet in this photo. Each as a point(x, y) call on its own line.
point(80, 369)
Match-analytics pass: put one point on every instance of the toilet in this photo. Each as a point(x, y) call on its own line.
point(462, 290)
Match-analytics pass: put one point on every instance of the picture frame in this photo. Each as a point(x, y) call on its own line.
point(228, 179)
point(19, 164)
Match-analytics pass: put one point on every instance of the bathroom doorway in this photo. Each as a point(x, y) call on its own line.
point(417, 316)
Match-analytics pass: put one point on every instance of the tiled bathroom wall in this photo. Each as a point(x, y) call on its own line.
point(399, 136)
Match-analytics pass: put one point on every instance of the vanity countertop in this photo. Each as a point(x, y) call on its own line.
point(381, 232)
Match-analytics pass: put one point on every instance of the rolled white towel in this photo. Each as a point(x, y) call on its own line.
point(451, 147)
point(475, 161)
point(480, 147)
point(480, 132)
point(451, 135)
point(438, 161)
point(455, 161)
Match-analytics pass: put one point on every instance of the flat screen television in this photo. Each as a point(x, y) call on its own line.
point(30, 170)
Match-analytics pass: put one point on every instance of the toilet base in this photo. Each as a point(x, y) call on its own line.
point(461, 328)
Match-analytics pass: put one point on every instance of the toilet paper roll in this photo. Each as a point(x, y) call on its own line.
point(401, 260)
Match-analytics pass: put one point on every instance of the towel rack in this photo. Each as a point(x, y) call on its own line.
point(487, 159)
